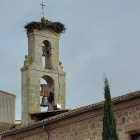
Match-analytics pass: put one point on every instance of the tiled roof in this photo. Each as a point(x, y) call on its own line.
point(7, 93)
point(71, 113)
point(8, 127)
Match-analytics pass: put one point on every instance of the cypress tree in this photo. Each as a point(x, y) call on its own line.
point(109, 122)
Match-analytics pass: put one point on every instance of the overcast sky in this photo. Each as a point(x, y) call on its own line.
point(102, 36)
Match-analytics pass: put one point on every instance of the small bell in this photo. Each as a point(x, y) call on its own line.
point(44, 50)
point(44, 102)
point(43, 54)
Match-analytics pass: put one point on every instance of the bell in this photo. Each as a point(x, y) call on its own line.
point(44, 50)
point(44, 102)
point(43, 54)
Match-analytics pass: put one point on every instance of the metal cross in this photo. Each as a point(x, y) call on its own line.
point(42, 5)
point(42, 8)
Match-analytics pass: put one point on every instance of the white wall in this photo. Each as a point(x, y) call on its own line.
point(7, 108)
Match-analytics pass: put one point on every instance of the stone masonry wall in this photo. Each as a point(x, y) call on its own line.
point(91, 128)
point(35, 134)
point(88, 126)
point(35, 43)
point(39, 136)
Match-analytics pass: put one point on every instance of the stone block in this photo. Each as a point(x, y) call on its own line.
point(127, 137)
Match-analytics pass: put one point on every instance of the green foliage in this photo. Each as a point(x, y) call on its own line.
point(109, 122)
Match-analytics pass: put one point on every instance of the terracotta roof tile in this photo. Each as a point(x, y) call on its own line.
point(73, 112)
point(7, 93)
point(8, 127)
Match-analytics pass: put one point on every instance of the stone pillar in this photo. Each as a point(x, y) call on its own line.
point(30, 94)
point(61, 98)
point(34, 50)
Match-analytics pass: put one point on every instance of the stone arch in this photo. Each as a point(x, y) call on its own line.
point(48, 88)
point(49, 80)
point(46, 53)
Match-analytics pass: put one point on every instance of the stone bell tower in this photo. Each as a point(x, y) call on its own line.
point(43, 41)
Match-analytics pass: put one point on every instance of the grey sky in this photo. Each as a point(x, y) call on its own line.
point(103, 36)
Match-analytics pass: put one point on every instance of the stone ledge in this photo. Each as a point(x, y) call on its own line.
point(42, 70)
point(132, 128)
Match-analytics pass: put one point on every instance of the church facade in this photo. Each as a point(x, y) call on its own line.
point(58, 123)
point(84, 123)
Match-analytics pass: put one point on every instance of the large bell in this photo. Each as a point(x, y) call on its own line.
point(44, 102)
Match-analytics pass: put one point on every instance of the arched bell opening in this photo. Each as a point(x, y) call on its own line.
point(46, 54)
point(46, 93)
point(42, 82)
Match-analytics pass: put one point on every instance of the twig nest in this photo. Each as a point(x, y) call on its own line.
point(54, 26)
point(43, 19)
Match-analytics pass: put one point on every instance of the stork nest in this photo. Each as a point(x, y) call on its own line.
point(55, 26)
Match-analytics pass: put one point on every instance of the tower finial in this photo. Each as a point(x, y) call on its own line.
point(42, 8)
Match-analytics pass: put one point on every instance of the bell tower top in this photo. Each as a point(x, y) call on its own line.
point(43, 37)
